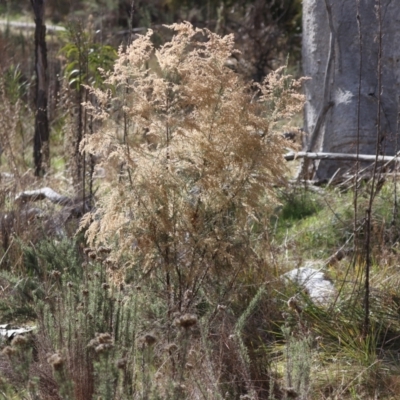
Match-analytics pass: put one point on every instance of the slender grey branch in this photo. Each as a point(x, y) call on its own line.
point(338, 156)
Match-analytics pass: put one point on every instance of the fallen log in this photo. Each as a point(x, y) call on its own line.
point(7, 331)
point(29, 26)
point(41, 194)
point(338, 156)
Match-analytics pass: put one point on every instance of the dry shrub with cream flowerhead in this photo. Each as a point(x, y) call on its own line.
point(192, 160)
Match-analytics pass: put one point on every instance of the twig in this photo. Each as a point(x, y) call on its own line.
point(355, 199)
point(333, 177)
point(368, 212)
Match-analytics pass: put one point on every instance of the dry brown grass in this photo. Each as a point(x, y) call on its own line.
point(196, 166)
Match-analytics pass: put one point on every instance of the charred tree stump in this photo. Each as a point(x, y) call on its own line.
point(41, 138)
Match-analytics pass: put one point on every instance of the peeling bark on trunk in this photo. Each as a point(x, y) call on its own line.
point(331, 57)
point(41, 138)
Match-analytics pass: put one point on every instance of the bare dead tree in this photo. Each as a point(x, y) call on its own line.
point(41, 138)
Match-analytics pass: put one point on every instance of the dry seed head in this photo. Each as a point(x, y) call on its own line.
point(9, 351)
point(171, 347)
point(102, 348)
point(294, 304)
point(121, 363)
point(290, 393)
point(70, 284)
point(104, 250)
point(56, 361)
point(186, 321)
point(85, 292)
point(56, 274)
point(148, 339)
point(221, 307)
point(192, 353)
point(180, 387)
point(92, 255)
point(102, 342)
point(19, 341)
point(87, 250)
point(105, 286)
point(104, 338)
point(158, 375)
point(188, 294)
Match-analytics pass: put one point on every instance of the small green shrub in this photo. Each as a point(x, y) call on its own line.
point(298, 205)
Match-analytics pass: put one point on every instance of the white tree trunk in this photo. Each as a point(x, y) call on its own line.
point(331, 58)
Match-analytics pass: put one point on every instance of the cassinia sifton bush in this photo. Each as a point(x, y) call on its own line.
point(192, 159)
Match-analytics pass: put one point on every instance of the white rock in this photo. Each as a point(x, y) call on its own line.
point(320, 289)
